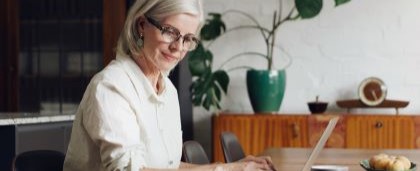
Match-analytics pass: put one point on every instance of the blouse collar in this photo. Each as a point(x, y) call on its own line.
point(139, 79)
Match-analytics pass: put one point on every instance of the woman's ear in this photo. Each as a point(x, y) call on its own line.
point(140, 23)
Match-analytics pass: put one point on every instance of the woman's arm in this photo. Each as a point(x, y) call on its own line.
point(184, 165)
point(236, 166)
point(263, 160)
point(189, 167)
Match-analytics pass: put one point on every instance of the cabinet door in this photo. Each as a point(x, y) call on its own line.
point(51, 136)
point(317, 125)
point(406, 135)
point(285, 131)
point(259, 132)
point(239, 125)
point(380, 132)
point(276, 131)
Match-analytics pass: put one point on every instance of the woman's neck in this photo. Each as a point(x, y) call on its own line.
point(150, 71)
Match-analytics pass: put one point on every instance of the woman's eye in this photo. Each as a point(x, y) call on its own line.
point(173, 34)
point(190, 38)
point(171, 30)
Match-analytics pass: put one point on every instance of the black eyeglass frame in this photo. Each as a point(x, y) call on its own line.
point(163, 28)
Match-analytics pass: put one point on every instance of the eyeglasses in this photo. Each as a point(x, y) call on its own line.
point(171, 34)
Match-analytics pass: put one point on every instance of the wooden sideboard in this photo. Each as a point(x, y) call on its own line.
point(258, 132)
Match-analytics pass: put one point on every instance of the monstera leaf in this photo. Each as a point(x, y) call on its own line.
point(199, 61)
point(308, 8)
point(311, 8)
point(340, 2)
point(213, 27)
point(207, 89)
point(208, 86)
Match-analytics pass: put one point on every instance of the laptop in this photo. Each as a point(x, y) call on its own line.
point(321, 143)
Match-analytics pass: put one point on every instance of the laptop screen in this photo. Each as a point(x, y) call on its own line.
point(321, 143)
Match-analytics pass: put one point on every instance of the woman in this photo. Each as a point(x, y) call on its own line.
point(129, 117)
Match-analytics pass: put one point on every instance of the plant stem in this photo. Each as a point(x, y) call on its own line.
point(237, 68)
point(238, 28)
point(242, 13)
point(268, 35)
point(251, 18)
point(289, 17)
point(280, 10)
point(240, 55)
point(215, 102)
point(270, 41)
point(249, 26)
point(273, 39)
point(287, 55)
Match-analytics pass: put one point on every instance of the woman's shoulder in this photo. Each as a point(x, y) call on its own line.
point(111, 73)
point(113, 76)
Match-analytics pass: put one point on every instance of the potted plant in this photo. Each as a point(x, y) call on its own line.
point(265, 87)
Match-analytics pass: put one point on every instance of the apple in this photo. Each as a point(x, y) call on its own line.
point(380, 161)
point(389, 163)
point(396, 165)
point(405, 160)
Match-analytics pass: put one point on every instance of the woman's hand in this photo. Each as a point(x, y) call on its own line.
point(264, 161)
point(250, 163)
point(241, 166)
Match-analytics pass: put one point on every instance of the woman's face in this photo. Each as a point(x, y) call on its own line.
point(163, 55)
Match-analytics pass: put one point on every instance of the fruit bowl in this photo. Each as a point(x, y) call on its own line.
point(317, 107)
point(366, 166)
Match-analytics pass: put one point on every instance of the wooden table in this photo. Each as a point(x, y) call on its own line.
point(293, 159)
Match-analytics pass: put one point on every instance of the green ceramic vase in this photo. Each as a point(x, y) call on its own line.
point(266, 89)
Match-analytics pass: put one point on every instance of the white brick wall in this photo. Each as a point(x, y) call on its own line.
point(331, 54)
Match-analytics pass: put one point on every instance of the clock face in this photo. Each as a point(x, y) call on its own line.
point(372, 91)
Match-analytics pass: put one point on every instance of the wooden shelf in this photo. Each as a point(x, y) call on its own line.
point(356, 103)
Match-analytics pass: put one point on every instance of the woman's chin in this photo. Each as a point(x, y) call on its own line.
point(167, 67)
point(168, 64)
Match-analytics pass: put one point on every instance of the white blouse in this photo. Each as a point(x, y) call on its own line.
point(122, 124)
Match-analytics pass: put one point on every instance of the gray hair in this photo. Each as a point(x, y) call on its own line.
point(158, 9)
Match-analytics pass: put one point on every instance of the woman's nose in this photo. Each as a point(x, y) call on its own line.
point(176, 45)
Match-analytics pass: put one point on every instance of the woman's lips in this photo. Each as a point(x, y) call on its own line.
point(170, 57)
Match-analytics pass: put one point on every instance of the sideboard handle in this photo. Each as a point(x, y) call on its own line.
point(379, 124)
point(296, 130)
